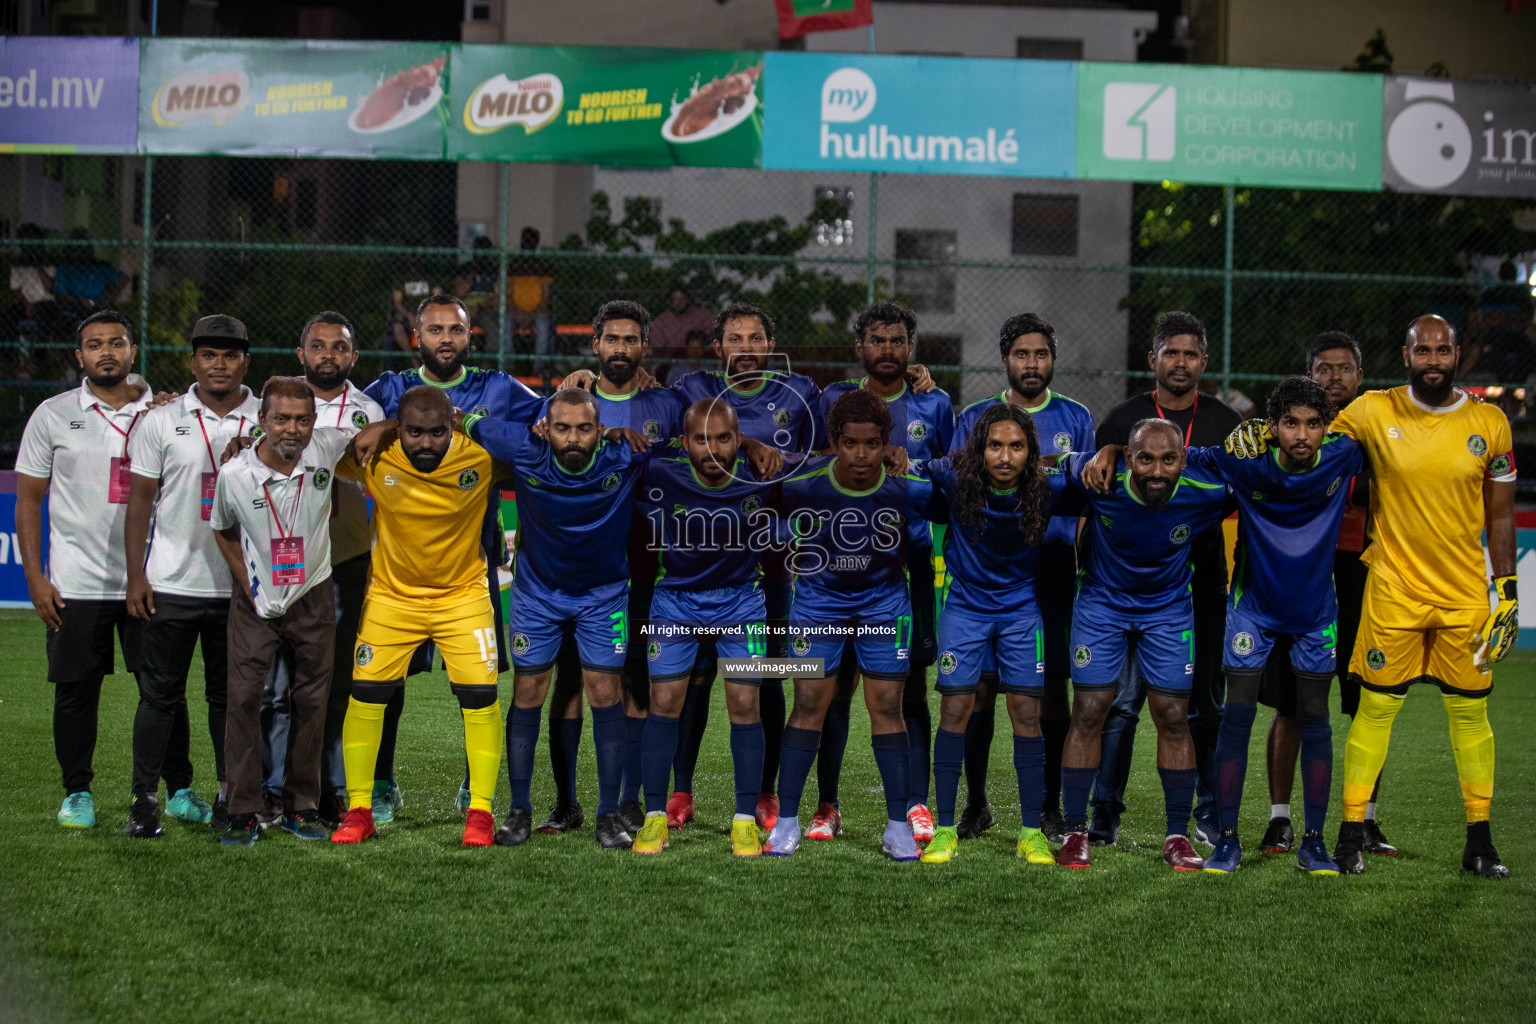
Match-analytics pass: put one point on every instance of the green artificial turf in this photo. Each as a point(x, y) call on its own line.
point(412, 927)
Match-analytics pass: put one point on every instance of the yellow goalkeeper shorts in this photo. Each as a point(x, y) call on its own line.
point(463, 627)
point(1403, 641)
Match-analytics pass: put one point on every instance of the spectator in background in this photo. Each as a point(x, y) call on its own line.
point(475, 282)
point(83, 283)
point(531, 307)
point(693, 357)
point(400, 321)
point(670, 330)
point(32, 283)
point(1500, 347)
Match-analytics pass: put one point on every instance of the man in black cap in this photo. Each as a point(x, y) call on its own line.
point(182, 593)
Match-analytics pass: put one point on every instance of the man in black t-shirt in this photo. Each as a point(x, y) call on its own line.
point(1178, 358)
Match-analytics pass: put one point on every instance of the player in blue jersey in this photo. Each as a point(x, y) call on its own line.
point(1290, 505)
point(575, 500)
point(923, 423)
point(1000, 501)
point(709, 520)
point(442, 324)
point(1028, 347)
point(849, 519)
point(1134, 585)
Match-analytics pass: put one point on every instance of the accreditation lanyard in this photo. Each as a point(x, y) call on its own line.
point(120, 480)
point(287, 549)
point(211, 479)
point(1189, 431)
point(340, 413)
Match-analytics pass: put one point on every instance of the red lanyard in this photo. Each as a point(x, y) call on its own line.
point(293, 519)
point(120, 430)
point(1189, 431)
point(342, 411)
point(209, 445)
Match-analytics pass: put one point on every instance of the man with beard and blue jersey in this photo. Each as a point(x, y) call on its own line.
point(1135, 586)
point(1028, 347)
point(923, 423)
point(442, 324)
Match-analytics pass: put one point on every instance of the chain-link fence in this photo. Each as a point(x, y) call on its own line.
point(272, 241)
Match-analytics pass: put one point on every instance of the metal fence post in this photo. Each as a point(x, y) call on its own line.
point(503, 339)
point(1226, 303)
point(146, 230)
point(874, 234)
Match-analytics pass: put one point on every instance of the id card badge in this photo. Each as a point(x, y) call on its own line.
point(287, 561)
point(120, 482)
point(209, 481)
point(1352, 529)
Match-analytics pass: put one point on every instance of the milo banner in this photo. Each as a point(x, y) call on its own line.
point(1229, 126)
point(63, 95)
point(607, 105)
point(252, 97)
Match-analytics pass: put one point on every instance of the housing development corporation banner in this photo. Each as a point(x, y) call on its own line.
point(249, 97)
point(64, 95)
point(607, 105)
point(934, 115)
point(1229, 126)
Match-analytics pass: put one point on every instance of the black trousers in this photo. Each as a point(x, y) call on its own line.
point(170, 637)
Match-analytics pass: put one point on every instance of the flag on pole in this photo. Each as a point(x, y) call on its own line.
point(802, 17)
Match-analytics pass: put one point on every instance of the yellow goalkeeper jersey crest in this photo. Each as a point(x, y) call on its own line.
point(1429, 466)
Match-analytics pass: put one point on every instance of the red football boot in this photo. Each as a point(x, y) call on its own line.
point(479, 828)
point(1180, 855)
point(767, 811)
point(355, 827)
point(1074, 850)
point(679, 810)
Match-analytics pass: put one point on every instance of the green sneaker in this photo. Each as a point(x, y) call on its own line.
point(943, 846)
point(1034, 847)
point(78, 810)
point(653, 835)
point(186, 805)
point(463, 798)
point(386, 800)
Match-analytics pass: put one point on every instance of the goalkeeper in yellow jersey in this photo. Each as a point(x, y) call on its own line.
point(1443, 470)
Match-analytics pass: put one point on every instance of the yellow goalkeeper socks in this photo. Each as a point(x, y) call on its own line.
point(361, 732)
point(1366, 749)
point(482, 750)
point(1472, 743)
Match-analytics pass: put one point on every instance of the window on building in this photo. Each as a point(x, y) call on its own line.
point(832, 210)
point(929, 289)
point(1044, 225)
point(1031, 48)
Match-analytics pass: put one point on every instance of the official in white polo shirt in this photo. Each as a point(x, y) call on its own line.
point(272, 521)
point(327, 353)
point(74, 451)
point(182, 590)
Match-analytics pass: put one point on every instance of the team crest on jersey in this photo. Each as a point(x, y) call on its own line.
point(1476, 445)
point(257, 432)
point(1062, 441)
point(468, 479)
point(653, 650)
point(948, 662)
point(611, 482)
point(1499, 465)
point(751, 504)
point(359, 419)
point(322, 479)
point(652, 428)
point(1335, 485)
point(1180, 534)
point(1376, 659)
point(1242, 643)
point(364, 655)
point(781, 418)
point(520, 643)
point(917, 430)
point(801, 646)
point(1081, 656)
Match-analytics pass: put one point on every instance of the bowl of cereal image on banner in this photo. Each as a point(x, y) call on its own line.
point(718, 124)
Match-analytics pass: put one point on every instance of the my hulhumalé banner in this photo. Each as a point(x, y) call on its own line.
point(1229, 126)
point(607, 105)
point(64, 95)
point(253, 97)
point(933, 115)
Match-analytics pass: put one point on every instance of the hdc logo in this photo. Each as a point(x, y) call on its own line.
point(1140, 121)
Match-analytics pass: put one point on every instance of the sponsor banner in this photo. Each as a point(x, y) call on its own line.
point(64, 95)
point(607, 105)
point(928, 115)
point(1229, 126)
point(13, 582)
point(1459, 138)
point(255, 97)
point(802, 17)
